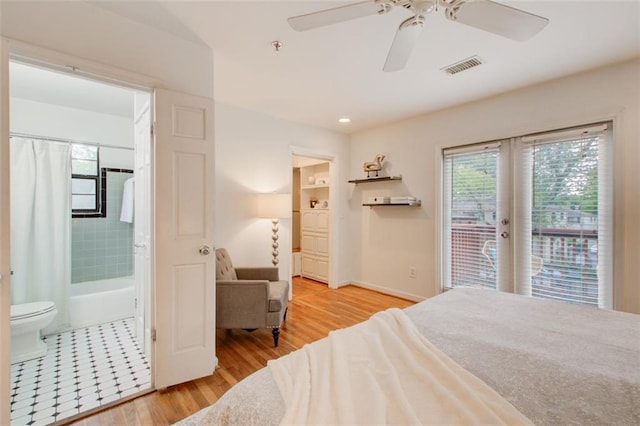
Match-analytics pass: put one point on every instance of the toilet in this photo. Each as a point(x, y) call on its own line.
point(27, 320)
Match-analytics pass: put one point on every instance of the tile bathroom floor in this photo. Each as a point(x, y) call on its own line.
point(83, 369)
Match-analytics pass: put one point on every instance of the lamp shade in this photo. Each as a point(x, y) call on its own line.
point(274, 206)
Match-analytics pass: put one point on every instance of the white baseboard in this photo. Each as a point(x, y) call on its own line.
point(385, 290)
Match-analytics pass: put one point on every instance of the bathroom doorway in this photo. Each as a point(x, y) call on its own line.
point(80, 198)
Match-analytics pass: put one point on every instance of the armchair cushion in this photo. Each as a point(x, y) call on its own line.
point(268, 273)
point(278, 295)
point(224, 267)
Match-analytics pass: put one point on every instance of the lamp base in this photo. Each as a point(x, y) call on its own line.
point(275, 244)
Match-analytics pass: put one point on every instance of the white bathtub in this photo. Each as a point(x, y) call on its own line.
point(98, 302)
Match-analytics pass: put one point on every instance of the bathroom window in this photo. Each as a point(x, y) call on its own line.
point(85, 182)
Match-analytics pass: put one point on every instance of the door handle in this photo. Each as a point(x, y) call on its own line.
point(504, 234)
point(205, 250)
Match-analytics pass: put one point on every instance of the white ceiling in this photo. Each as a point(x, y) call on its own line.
point(322, 74)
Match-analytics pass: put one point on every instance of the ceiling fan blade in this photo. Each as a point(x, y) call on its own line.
point(337, 14)
point(403, 43)
point(498, 19)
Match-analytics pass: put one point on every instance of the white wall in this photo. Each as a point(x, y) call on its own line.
point(389, 241)
point(41, 119)
point(253, 155)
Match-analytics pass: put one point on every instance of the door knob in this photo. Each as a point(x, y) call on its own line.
point(505, 234)
point(205, 250)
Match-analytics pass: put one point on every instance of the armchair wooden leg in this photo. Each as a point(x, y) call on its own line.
point(276, 334)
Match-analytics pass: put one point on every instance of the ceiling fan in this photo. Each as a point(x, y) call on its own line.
point(486, 15)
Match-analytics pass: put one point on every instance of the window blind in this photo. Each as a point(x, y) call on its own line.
point(563, 234)
point(470, 252)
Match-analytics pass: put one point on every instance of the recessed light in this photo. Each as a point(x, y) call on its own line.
point(344, 120)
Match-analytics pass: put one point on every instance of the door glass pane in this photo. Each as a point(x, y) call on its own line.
point(470, 199)
point(565, 220)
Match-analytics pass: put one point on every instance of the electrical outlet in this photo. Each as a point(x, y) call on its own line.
point(412, 271)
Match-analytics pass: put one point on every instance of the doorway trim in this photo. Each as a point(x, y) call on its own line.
point(62, 62)
point(5, 258)
point(333, 216)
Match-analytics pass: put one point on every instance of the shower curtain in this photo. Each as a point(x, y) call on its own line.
point(41, 225)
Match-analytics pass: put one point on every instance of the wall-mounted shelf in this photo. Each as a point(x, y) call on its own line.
point(325, 185)
point(417, 203)
point(375, 179)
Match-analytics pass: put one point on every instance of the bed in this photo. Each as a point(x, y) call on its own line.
point(556, 363)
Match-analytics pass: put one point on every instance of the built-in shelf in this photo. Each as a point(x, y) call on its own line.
point(375, 179)
point(324, 185)
point(416, 203)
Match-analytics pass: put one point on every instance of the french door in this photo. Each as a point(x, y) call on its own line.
point(531, 215)
point(475, 214)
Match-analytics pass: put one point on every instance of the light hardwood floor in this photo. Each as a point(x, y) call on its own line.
point(314, 311)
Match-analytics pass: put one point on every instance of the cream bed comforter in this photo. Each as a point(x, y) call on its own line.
point(384, 371)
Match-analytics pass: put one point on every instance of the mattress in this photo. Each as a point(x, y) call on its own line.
point(557, 363)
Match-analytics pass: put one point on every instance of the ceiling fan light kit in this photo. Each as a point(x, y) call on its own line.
point(485, 15)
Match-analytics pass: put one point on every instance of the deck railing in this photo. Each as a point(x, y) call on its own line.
point(569, 261)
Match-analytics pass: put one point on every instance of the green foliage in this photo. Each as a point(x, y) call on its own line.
point(565, 182)
point(474, 184)
point(590, 197)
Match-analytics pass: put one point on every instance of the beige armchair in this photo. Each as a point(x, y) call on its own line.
point(249, 298)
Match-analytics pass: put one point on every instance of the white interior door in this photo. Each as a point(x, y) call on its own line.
point(185, 267)
point(5, 269)
point(141, 220)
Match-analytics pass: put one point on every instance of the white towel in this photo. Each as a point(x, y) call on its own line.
point(126, 214)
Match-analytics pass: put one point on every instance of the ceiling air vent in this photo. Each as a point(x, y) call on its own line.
point(463, 65)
